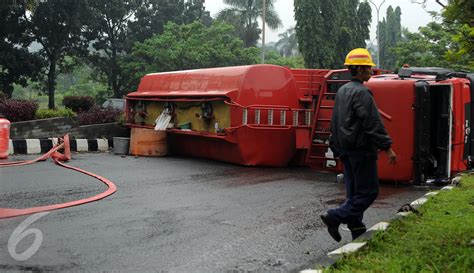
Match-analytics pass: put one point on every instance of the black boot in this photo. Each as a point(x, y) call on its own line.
point(356, 232)
point(333, 226)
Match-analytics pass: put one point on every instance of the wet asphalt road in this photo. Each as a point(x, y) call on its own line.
point(178, 215)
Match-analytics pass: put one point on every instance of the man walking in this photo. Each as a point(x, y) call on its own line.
point(357, 133)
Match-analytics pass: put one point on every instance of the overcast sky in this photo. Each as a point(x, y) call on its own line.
point(413, 15)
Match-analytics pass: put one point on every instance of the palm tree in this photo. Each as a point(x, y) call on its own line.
point(244, 16)
point(288, 44)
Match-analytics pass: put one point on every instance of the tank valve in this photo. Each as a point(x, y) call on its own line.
point(206, 111)
point(218, 130)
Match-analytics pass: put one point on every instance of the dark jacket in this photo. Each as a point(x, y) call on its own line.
point(356, 125)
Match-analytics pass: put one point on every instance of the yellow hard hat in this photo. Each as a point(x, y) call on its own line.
point(359, 56)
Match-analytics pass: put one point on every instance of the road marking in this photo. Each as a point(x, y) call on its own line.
point(432, 193)
point(419, 201)
point(379, 226)
point(404, 213)
point(349, 248)
point(102, 145)
point(447, 188)
point(456, 180)
point(10, 147)
point(82, 145)
point(33, 146)
point(55, 141)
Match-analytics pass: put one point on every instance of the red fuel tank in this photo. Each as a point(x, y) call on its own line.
point(245, 115)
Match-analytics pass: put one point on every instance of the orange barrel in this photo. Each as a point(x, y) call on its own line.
point(148, 142)
point(4, 137)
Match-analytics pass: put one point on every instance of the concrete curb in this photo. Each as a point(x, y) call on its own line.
point(354, 246)
point(41, 146)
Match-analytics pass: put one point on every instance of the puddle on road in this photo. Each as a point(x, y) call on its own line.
point(253, 176)
point(388, 190)
point(386, 193)
point(377, 204)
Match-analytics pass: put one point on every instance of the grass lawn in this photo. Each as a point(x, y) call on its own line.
point(438, 240)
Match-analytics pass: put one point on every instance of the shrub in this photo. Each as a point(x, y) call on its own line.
point(97, 116)
point(54, 113)
point(121, 119)
point(78, 103)
point(18, 110)
point(3, 96)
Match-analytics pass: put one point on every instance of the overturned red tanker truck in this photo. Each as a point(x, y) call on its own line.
point(267, 115)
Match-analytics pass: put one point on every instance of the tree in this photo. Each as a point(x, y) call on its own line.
point(110, 38)
point(327, 30)
point(57, 26)
point(431, 46)
point(288, 44)
point(459, 16)
point(194, 10)
point(152, 15)
point(363, 19)
point(390, 35)
point(117, 24)
point(244, 16)
point(458, 19)
point(314, 20)
point(354, 29)
point(273, 57)
point(16, 63)
point(191, 46)
point(460, 10)
point(455, 10)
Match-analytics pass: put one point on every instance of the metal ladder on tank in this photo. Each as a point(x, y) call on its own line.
point(319, 154)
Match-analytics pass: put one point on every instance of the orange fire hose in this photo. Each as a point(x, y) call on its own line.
point(58, 158)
